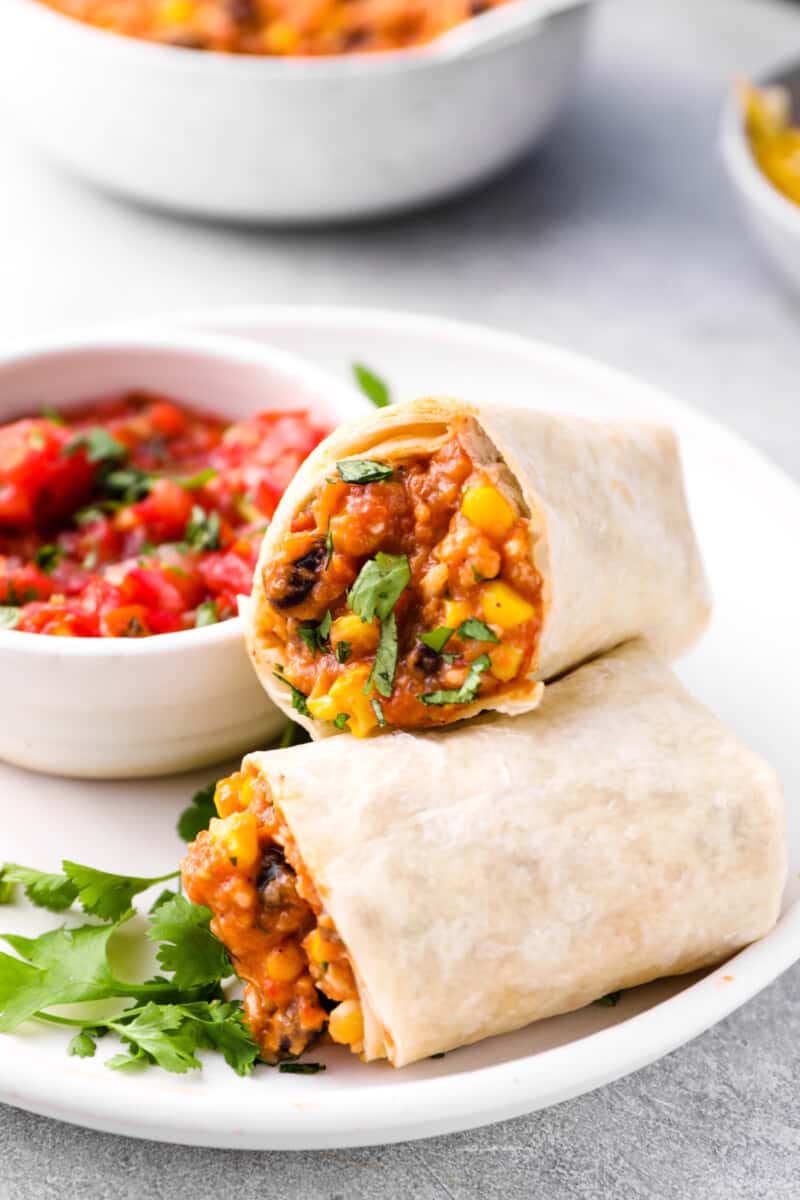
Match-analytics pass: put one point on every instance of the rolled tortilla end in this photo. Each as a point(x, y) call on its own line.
point(510, 870)
point(437, 560)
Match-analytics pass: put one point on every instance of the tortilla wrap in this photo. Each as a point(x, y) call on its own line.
point(610, 532)
point(511, 869)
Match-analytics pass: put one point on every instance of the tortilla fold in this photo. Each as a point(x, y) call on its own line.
point(511, 869)
point(610, 531)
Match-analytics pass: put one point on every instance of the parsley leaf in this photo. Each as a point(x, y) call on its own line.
point(476, 630)
point(437, 639)
point(298, 698)
point(105, 895)
point(198, 814)
point(373, 387)
point(9, 616)
point(468, 690)
point(379, 585)
point(363, 470)
point(48, 557)
point(202, 529)
point(54, 892)
point(189, 949)
point(206, 614)
point(381, 677)
point(343, 650)
point(99, 445)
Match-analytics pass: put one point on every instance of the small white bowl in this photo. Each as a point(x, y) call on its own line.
point(280, 139)
point(112, 707)
point(773, 217)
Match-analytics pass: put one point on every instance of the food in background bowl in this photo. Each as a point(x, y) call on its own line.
point(137, 515)
point(278, 27)
point(774, 140)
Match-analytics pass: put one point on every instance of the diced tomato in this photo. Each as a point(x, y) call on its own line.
point(40, 484)
point(225, 572)
point(164, 514)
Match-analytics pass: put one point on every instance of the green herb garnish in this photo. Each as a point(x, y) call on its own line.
point(342, 651)
point(379, 585)
point(48, 557)
point(381, 677)
point(127, 484)
point(206, 614)
point(437, 639)
point(293, 735)
point(192, 482)
point(99, 445)
point(341, 719)
point(99, 893)
point(202, 529)
point(298, 698)
point(609, 1001)
point(363, 470)
point(377, 708)
point(476, 631)
point(316, 635)
point(9, 616)
point(328, 545)
point(198, 814)
point(373, 387)
point(468, 690)
point(301, 1068)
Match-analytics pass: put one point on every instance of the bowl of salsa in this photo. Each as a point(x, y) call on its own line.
point(138, 474)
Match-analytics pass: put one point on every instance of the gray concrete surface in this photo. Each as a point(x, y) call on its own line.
point(620, 239)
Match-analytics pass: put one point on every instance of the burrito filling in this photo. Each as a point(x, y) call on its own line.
point(404, 592)
point(246, 869)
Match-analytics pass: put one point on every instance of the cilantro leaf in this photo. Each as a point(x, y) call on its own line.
point(163, 897)
point(379, 585)
point(220, 1025)
point(342, 651)
point(202, 529)
point(437, 639)
point(381, 677)
point(189, 949)
point(373, 387)
point(9, 616)
point(128, 484)
point(51, 891)
point(206, 614)
point(82, 1045)
point(198, 814)
point(48, 557)
point(99, 445)
point(476, 630)
point(315, 635)
point(105, 895)
point(157, 1031)
point(377, 708)
point(301, 1068)
point(363, 470)
point(6, 889)
point(298, 698)
point(468, 690)
point(191, 483)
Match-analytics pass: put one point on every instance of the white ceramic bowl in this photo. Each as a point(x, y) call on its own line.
point(266, 139)
point(773, 217)
point(114, 708)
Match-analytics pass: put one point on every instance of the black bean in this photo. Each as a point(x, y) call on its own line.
point(277, 883)
point(297, 579)
point(425, 660)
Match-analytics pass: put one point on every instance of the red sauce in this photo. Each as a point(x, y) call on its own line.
point(137, 515)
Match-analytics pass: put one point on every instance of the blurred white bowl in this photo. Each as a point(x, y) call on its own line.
point(773, 217)
point(286, 140)
point(114, 707)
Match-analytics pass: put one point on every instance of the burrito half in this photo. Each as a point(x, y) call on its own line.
point(434, 560)
point(415, 893)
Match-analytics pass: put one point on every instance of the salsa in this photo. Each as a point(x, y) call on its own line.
point(403, 593)
point(137, 515)
point(278, 27)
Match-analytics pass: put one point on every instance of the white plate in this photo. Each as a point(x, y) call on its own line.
point(748, 516)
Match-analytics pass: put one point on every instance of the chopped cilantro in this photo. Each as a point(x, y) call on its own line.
point(341, 719)
point(468, 690)
point(328, 545)
point(127, 484)
point(99, 445)
point(381, 677)
point(48, 557)
point(188, 947)
point(476, 630)
point(202, 529)
point(301, 1068)
point(82, 1045)
point(298, 698)
point(363, 470)
point(9, 616)
point(192, 482)
point(100, 893)
point(206, 614)
point(316, 635)
point(342, 651)
point(437, 639)
point(373, 387)
point(379, 585)
point(198, 814)
point(377, 708)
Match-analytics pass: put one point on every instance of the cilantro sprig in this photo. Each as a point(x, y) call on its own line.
point(363, 470)
point(379, 585)
point(468, 690)
point(100, 893)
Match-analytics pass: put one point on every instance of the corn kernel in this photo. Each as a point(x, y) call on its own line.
point(505, 662)
point(318, 948)
point(232, 795)
point(503, 606)
point(487, 508)
point(281, 38)
point(238, 835)
point(346, 1023)
point(455, 611)
point(174, 12)
point(362, 636)
point(286, 963)
point(347, 695)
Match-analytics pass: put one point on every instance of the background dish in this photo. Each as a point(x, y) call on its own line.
point(738, 500)
point(101, 708)
point(300, 140)
point(772, 216)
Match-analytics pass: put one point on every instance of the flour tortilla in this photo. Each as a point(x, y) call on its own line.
point(510, 869)
point(611, 534)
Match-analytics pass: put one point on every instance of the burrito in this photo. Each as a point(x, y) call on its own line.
point(410, 894)
point(433, 560)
